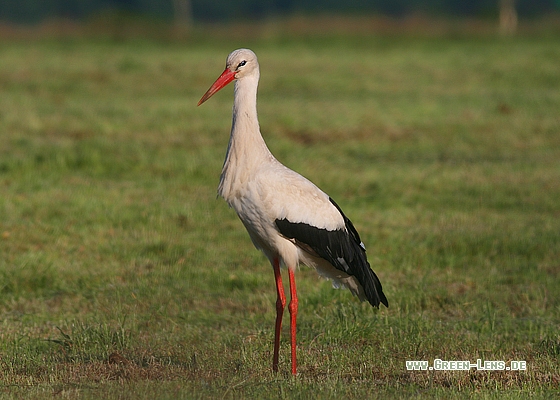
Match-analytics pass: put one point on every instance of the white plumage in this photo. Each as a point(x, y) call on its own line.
point(289, 218)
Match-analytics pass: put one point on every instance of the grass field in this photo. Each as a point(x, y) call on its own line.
point(122, 275)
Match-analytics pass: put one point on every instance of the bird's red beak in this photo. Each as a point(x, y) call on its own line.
point(226, 77)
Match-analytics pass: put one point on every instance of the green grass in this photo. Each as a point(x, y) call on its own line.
point(122, 275)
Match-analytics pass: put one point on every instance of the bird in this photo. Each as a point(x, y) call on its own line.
point(287, 217)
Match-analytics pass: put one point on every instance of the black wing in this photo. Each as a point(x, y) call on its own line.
point(343, 248)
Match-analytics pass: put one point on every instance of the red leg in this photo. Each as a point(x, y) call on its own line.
point(293, 308)
point(280, 304)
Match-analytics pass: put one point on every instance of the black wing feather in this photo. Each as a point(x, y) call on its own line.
point(343, 248)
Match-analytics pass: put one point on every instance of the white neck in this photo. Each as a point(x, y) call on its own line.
point(247, 149)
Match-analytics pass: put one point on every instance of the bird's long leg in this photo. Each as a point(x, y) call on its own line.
point(280, 304)
point(293, 308)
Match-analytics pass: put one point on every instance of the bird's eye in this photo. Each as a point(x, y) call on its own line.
point(241, 64)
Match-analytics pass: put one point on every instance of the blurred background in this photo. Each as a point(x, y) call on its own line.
point(118, 17)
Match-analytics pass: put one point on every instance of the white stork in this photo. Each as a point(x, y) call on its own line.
point(288, 218)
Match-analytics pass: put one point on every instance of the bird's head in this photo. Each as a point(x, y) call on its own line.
point(240, 63)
